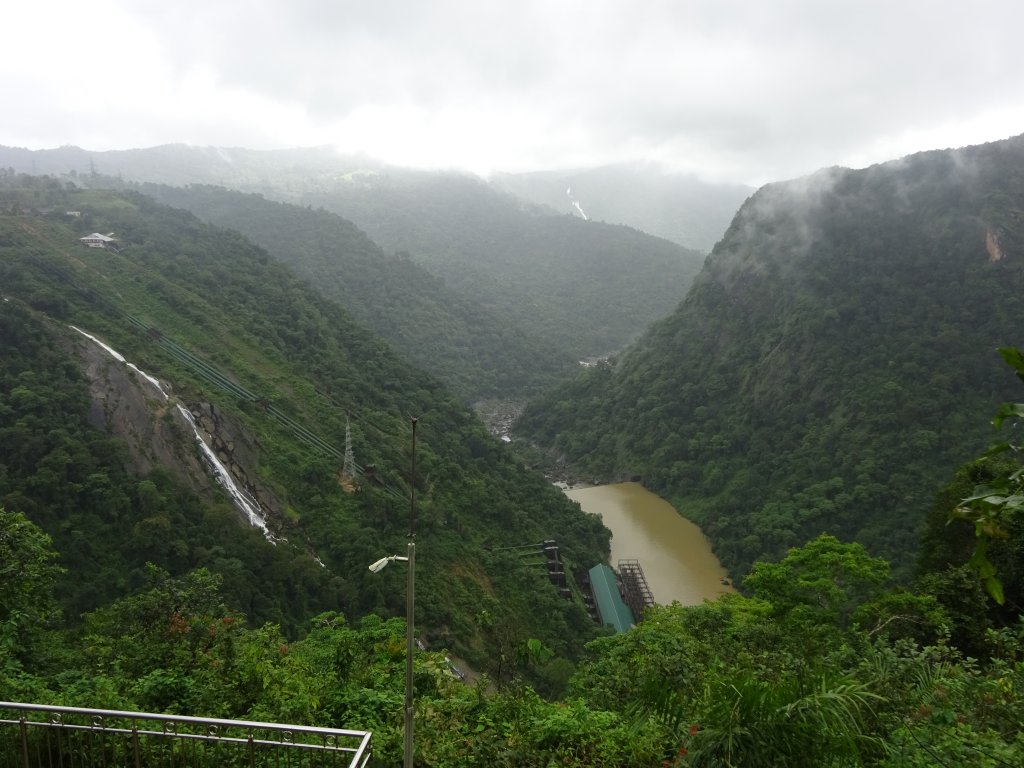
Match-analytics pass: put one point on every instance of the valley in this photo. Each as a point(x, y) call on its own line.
point(814, 394)
point(519, 385)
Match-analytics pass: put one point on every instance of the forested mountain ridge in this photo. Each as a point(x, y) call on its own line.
point(832, 364)
point(675, 206)
point(177, 290)
point(584, 287)
point(444, 332)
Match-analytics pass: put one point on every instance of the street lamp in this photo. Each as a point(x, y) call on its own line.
point(381, 564)
point(410, 600)
point(410, 606)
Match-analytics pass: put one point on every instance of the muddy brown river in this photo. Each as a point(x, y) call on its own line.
point(673, 552)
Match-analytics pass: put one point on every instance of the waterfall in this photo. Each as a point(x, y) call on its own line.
point(120, 358)
point(241, 499)
point(246, 503)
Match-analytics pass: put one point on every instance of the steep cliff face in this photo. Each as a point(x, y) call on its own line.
point(144, 414)
point(995, 251)
point(126, 406)
point(239, 451)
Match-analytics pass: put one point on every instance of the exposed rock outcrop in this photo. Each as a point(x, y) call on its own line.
point(132, 408)
point(239, 451)
point(995, 252)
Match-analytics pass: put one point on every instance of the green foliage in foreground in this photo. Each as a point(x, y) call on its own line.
point(997, 505)
point(803, 676)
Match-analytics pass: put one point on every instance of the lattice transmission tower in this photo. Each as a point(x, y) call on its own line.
point(347, 477)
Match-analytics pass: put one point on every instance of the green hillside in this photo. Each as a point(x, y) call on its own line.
point(584, 286)
point(824, 661)
point(832, 364)
point(440, 330)
point(290, 370)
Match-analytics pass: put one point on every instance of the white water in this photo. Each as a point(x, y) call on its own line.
point(576, 204)
point(242, 500)
point(120, 358)
point(246, 503)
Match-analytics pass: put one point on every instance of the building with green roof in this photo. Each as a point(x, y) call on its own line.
point(610, 606)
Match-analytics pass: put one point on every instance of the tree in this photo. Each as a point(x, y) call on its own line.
point(993, 506)
point(753, 722)
point(820, 583)
point(27, 604)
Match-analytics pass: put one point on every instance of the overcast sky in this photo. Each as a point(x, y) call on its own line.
point(750, 91)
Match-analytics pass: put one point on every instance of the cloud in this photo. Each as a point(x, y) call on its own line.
point(732, 90)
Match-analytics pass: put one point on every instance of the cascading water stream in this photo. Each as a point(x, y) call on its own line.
point(248, 505)
point(576, 204)
point(120, 358)
point(241, 499)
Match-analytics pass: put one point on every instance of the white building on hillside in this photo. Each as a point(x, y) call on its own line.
point(96, 240)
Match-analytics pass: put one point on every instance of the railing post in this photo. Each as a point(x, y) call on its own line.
point(24, 741)
point(135, 744)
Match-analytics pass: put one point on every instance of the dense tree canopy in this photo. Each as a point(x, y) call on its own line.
point(743, 681)
point(584, 286)
point(450, 334)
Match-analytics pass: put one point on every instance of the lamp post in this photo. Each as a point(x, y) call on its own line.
point(410, 642)
point(410, 601)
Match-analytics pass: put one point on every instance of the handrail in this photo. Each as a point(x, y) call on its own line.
point(352, 745)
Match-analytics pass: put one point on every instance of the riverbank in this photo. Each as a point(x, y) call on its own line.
point(565, 486)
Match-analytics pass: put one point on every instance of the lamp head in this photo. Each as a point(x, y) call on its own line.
point(380, 565)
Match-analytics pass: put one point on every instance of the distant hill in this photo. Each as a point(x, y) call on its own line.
point(277, 377)
point(583, 287)
point(831, 366)
point(468, 347)
point(676, 206)
point(180, 164)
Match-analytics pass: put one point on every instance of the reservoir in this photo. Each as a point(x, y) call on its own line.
point(674, 553)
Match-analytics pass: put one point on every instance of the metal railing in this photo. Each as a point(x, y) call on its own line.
point(37, 735)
